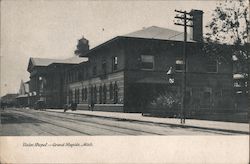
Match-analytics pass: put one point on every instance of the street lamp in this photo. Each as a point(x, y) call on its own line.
point(170, 75)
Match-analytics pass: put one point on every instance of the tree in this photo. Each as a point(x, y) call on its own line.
point(230, 25)
point(231, 18)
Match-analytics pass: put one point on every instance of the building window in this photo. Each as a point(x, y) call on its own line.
point(70, 96)
point(78, 96)
point(207, 95)
point(85, 94)
point(212, 66)
point(95, 94)
point(94, 70)
point(80, 75)
point(217, 93)
point(86, 73)
point(115, 63)
point(115, 93)
point(188, 96)
point(104, 67)
point(226, 93)
point(75, 96)
point(104, 94)
point(147, 62)
point(111, 91)
point(100, 94)
point(237, 84)
point(92, 94)
point(179, 65)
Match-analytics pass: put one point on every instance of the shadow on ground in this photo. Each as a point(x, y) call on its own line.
point(7, 118)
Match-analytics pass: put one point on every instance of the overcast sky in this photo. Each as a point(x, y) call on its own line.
point(50, 29)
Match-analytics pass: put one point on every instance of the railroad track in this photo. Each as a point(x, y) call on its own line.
point(48, 122)
point(85, 123)
point(93, 122)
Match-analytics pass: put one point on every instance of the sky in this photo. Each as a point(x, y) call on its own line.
point(51, 29)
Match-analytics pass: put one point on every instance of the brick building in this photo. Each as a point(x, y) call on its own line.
point(47, 80)
point(8, 100)
point(128, 72)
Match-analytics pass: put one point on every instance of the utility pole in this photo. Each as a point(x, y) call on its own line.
point(183, 21)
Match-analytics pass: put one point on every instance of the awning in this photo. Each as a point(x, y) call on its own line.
point(22, 96)
point(238, 76)
point(151, 80)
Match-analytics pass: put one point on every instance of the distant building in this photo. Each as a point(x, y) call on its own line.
point(9, 100)
point(23, 94)
point(46, 80)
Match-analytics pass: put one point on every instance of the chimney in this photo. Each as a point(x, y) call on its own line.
point(197, 30)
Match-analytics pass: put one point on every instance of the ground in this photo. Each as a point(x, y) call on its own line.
point(29, 122)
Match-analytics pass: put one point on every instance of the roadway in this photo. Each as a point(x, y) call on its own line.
point(29, 122)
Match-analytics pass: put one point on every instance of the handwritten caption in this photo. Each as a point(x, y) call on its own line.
point(66, 144)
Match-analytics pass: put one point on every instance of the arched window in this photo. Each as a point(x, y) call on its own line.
point(75, 96)
point(104, 67)
point(115, 93)
point(114, 63)
point(91, 94)
point(85, 94)
point(111, 91)
point(100, 94)
point(104, 94)
point(95, 95)
point(70, 96)
point(78, 96)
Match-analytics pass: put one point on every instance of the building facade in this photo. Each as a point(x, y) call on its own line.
point(127, 73)
point(130, 72)
point(8, 100)
point(47, 80)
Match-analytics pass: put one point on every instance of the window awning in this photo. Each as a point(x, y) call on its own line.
point(238, 76)
point(22, 96)
point(153, 80)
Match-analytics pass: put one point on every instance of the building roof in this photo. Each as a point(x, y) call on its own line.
point(153, 32)
point(9, 97)
point(159, 33)
point(42, 61)
point(45, 61)
point(72, 60)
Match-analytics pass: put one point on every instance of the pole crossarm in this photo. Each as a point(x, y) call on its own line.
point(180, 17)
point(183, 12)
point(183, 24)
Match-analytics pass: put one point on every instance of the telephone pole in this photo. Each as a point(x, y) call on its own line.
point(183, 20)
